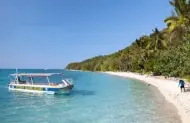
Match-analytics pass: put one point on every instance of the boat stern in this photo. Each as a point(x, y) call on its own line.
point(66, 89)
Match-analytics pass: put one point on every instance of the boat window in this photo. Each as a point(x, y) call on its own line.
point(22, 80)
point(40, 80)
point(56, 79)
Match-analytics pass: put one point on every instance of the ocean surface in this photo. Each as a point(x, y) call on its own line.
point(96, 98)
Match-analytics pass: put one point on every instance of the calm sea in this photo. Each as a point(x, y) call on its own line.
point(96, 98)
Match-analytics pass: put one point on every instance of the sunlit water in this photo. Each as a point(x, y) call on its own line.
point(96, 98)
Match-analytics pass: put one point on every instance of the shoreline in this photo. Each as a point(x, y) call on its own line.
point(168, 88)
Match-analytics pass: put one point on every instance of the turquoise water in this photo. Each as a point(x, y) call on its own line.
point(96, 98)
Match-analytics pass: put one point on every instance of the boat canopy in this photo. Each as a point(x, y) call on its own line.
point(36, 74)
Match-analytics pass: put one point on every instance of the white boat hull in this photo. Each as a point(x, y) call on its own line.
point(40, 89)
point(32, 91)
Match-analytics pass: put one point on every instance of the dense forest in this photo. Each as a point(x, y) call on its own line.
point(163, 52)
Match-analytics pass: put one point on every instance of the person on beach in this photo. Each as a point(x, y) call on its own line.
point(182, 85)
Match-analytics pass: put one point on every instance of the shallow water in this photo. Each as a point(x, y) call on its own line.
point(96, 98)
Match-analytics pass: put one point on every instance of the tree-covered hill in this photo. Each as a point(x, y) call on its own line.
point(165, 52)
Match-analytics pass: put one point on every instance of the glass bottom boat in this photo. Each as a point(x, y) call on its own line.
point(25, 82)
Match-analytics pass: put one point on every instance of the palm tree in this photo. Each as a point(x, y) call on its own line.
point(157, 42)
point(180, 19)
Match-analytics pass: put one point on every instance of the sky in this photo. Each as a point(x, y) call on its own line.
point(53, 33)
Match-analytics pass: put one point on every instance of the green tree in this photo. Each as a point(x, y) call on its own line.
point(157, 42)
point(179, 20)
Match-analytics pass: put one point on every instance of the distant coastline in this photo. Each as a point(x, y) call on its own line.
point(169, 89)
point(74, 70)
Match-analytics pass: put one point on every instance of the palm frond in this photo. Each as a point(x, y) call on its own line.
point(148, 46)
point(164, 44)
point(173, 18)
point(172, 3)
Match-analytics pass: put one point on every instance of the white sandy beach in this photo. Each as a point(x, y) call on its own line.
point(170, 90)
